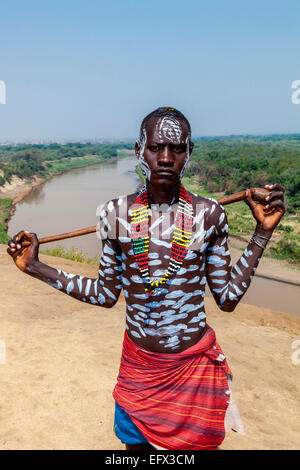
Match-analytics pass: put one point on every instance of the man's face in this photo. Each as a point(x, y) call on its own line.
point(165, 151)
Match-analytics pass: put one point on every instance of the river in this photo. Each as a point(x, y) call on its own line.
point(69, 202)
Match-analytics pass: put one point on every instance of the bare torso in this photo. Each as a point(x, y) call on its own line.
point(173, 317)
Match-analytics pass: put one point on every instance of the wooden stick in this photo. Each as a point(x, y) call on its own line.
point(257, 194)
point(63, 236)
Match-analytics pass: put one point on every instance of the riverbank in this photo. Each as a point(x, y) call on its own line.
point(14, 193)
point(18, 189)
point(62, 360)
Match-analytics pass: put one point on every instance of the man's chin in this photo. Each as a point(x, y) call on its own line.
point(164, 180)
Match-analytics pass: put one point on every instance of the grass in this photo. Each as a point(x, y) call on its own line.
point(124, 153)
point(57, 165)
point(287, 248)
point(5, 208)
point(139, 172)
point(74, 254)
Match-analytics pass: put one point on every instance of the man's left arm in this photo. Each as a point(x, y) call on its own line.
point(228, 284)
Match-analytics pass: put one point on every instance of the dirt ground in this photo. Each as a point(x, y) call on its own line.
point(59, 362)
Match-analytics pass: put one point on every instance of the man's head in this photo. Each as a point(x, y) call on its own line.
point(164, 146)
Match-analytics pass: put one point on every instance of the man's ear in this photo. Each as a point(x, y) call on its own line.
point(191, 147)
point(137, 149)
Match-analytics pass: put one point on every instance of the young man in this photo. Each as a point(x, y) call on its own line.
point(161, 246)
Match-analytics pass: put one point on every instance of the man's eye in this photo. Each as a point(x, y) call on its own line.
point(153, 148)
point(180, 149)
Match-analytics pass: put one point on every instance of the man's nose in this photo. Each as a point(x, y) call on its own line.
point(165, 156)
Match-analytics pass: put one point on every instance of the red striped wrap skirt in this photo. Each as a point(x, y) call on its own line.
point(177, 400)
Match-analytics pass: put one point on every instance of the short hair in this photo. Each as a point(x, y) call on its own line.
point(164, 111)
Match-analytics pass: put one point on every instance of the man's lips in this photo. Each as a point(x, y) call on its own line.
point(165, 171)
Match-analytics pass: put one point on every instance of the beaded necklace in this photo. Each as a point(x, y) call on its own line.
point(140, 236)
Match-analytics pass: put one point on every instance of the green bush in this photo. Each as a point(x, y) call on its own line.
point(287, 248)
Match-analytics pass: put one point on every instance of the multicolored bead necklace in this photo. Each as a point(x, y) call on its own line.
point(140, 236)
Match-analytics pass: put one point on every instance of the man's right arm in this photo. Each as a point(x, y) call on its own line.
point(103, 291)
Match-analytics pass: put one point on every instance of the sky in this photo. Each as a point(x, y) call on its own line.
point(78, 70)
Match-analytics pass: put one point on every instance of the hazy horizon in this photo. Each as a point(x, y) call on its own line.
point(133, 139)
point(92, 71)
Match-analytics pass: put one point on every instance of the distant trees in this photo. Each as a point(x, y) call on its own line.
point(231, 164)
point(28, 160)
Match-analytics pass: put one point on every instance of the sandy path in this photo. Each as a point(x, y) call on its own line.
point(62, 359)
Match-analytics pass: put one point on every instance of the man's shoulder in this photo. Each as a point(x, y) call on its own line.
point(115, 204)
point(210, 212)
point(208, 204)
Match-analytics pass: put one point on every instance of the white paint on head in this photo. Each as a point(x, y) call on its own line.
point(170, 129)
point(187, 159)
point(143, 164)
point(166, 129)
